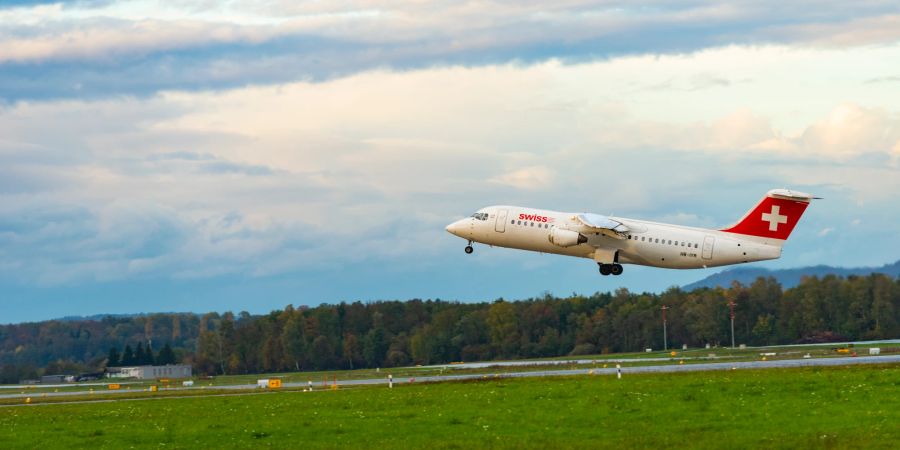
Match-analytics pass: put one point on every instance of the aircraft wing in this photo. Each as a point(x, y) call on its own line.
point(595, 223)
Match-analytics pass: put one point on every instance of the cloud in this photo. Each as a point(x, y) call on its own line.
point(887, 79)
point(529, 178)
point(98, 49)
point(850, 129)
point(365, 170)
point(7, 4)
point(825, 231)
point(847, 131)
point(850, 33)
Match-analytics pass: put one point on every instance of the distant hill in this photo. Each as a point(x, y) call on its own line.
point(98, 317)
point(787, 277)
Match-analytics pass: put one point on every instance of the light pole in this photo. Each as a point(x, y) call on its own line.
point(731, 306)
point(665, 335)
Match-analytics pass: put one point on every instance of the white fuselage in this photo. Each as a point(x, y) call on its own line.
point(646, 243)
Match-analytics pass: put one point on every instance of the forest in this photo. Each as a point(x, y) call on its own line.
point(395, 333)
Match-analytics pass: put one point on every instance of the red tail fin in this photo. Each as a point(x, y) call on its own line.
point(774, 216)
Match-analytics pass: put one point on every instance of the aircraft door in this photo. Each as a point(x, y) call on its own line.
point(500, 226)
point(708, 244)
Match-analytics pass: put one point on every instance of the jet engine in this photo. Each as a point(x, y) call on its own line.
point(565, 238)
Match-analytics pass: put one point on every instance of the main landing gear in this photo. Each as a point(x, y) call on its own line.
point(610, 269)
point(469, 248)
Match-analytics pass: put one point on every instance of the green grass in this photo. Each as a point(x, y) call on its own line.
point(835, 407)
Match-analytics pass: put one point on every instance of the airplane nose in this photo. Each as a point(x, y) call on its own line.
point(455, 228)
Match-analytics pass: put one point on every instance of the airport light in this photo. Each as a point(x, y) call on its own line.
point(731, 304)
point(665, 334)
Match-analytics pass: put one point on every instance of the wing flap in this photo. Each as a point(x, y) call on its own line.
point(595, 223)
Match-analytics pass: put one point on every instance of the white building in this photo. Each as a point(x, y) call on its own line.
point(150, 372)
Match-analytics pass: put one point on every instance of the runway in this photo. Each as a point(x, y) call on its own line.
point(670, 368)
point(627, 370)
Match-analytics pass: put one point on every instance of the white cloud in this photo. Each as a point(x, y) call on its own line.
point(854, 32)
point(825, 231)
point(107, 40)
point(411, 29)
point(265, 180)
point(529, 178)
point(850, 129)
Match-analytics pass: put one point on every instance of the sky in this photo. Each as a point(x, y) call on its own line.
point(248, 154)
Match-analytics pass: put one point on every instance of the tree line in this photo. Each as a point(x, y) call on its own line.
point(140, 357)
point(394, 333)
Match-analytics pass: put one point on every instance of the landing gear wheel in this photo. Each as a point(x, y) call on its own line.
point(469, 249)
point(605, 269)
point(616, 269)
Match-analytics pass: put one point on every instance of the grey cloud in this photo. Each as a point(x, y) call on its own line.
point(334, 42)
point(878, 80)
point(67, 3)
point(191, 162)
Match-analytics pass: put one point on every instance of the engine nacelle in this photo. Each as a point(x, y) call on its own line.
point(566, 238)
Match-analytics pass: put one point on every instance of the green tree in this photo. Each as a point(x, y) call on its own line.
point(763, 331)
point(127, 356)
point(502, 325)
point(375, 347)
point(206, 356)
point(225, 344)
point(139, 357)
point(149, 359)
point(166, 355)
point(294, 342)
point(113, 358)
point(884, 296)
point(353, 351)
point(322, 353)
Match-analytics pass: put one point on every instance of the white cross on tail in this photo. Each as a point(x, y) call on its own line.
point(774, 218)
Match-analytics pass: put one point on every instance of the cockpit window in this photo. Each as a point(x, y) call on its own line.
point(480, 216)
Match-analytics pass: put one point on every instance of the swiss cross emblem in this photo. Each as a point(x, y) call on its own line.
point(774, 218)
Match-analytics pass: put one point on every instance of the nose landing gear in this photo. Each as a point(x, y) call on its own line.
point(610, 269)
point(469, 248)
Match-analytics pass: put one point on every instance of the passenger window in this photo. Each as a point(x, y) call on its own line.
point(643, 238)
point(513, 222)
point(532, 223)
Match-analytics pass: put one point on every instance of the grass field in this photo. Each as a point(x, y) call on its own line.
point(834, 407)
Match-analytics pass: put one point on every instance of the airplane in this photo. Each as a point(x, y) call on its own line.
point(614, 241)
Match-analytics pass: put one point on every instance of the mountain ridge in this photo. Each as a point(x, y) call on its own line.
point(788, 277)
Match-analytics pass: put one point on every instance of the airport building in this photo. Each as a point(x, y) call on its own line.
point(55, 379)
point(150, 372)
